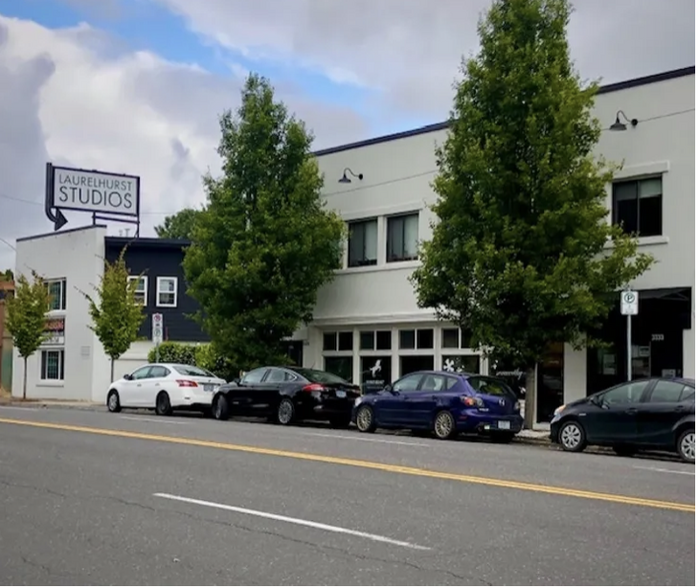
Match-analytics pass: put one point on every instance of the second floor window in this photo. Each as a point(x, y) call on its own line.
point(167, 292)
point(637, 206)
point(402, 237)
point(57, 294)
point(141, 292)
point(362, 243)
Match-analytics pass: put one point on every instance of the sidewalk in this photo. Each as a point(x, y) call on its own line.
point(41, 403)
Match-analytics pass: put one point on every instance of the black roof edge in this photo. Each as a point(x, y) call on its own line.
point(606, 89)
point(146, 242)
point(58, 233)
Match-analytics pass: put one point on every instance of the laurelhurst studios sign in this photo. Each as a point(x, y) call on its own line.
point(100, 193)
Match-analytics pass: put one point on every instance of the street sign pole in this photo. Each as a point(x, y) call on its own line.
point(629, 308)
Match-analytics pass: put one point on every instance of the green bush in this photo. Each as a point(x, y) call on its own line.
point(203, 355)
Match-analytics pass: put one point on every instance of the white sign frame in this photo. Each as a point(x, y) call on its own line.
point(95, 191)
point(629, 302)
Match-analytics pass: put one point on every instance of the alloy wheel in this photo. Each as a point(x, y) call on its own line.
point(444, 425)
point(364, 419)
point(687, 446)
point(285, 412)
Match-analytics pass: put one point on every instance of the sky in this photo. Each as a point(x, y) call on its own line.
point(136, 86)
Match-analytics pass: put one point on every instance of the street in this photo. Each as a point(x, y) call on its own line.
point(96, 498)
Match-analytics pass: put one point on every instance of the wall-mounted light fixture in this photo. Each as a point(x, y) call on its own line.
point(345, 180)
point(620, 126)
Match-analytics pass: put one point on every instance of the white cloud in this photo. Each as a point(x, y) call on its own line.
point(82, 98)
point(409, 50)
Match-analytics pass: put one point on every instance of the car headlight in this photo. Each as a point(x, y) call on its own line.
point(559, 410)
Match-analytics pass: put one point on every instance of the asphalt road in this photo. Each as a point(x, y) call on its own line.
point(88, 498)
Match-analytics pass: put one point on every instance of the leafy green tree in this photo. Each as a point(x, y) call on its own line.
point(26, 318)
point(8, 275)
point(115, 313)
point(179, 225)
point(518, 254)
point(265, 243)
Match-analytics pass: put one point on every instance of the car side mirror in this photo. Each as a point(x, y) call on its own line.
point(127, 376)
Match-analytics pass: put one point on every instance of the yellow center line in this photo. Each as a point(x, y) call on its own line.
point(358, 463)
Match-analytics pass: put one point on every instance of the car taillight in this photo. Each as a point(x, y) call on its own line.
point(472, 401)
point(313, 388)
point(187, 384)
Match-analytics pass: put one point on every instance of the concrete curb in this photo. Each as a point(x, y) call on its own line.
point(14, 403)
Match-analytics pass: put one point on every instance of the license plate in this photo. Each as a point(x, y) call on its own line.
point(341, 394)
point(503, 424)
point(208, 387)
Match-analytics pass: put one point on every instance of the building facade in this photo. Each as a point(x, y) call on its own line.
point(370, 311)
point(7, 288)
point(367, 326)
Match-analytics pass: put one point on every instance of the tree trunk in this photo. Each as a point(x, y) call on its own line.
point(112, 370)
point(530, 397)
point(24, 381)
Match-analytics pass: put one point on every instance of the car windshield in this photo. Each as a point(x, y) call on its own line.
point(319, 376)
point(192, 370)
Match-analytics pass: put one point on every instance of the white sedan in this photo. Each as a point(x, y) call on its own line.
point(164, 387)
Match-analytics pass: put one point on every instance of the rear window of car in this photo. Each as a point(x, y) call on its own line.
point(192, 370)
point(490, 386)
point(319, 376)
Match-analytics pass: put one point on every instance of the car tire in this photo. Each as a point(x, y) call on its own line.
point(113, 402)
point(571, 437)
point(366, 423)
point(624, 450)
point(502, 437)
point(162, 405)
point(444, 425)
point(286, 412)
point(342, 422)
point(685, 445)
point(220, 409)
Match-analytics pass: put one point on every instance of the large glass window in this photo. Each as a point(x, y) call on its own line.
point(57, 294)
point(340, 366)
point(637, 206)
point(362, 243)
point(52, 365)
point(402, 237)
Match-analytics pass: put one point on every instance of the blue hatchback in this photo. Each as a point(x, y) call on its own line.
point(446, 403)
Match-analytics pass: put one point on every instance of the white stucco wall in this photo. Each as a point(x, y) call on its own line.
point(78, 257)
point(397, 176)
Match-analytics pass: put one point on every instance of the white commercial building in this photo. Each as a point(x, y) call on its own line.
point(369, 312)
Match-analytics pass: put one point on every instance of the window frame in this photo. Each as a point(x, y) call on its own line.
point(416, 339)
point(264, 371)
point(637, 200)
point(661, 382)
point(139, 291)
point(159, 291)
point(390, 222)
point(337, 338)
point(62, 302)
point(366, 259)
point(420, 376)
point(602, 398)
point(43, 366)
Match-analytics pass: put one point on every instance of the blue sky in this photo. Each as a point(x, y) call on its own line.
point(146, 25)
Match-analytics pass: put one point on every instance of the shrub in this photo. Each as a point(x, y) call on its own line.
point(202, 355)
point(171, 352)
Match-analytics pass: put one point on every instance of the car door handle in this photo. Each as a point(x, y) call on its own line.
point(631, 410)
point(679, 408)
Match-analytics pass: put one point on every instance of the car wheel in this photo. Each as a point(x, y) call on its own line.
point(286, 412)
point(220, 410)
point(113, 403)
point(502, 437)
point(162, 404)
point(572, 436)
point(624, 450)
point(365, 419)
point(444, 426)
point(340, 422)
point(685, 445)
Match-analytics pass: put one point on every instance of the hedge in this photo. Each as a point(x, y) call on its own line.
point(202, 355)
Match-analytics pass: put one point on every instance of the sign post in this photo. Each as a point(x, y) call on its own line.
point(629, 308)
point(157, 325)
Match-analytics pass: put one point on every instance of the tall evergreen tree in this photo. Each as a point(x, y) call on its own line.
point(519, 256)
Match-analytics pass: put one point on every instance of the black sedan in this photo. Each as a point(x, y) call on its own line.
point(650, 413)
point(286, 395)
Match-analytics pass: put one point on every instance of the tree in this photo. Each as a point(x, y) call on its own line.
point(26, 318)
point(264, 243)
point(115, 313)
point(8, 275)
point(519, 255)
point(179, 225)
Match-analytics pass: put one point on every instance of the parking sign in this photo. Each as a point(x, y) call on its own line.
point(157, 325)
point(629, 302)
